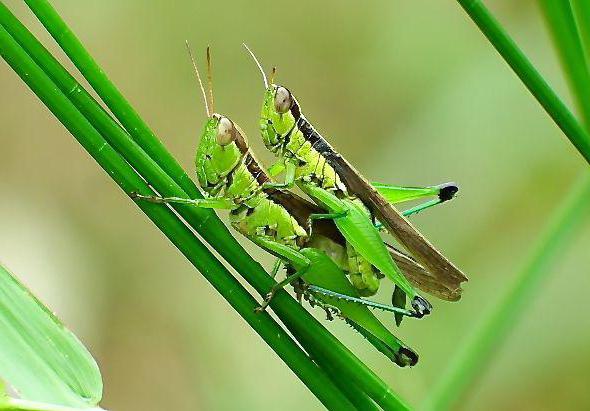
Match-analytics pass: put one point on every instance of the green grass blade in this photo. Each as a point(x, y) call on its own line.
point(528, 74)
point(312, 335)
point(582, 15)
point(39, 357)
point(475, 356)
point(180, 235)
point(562, 24)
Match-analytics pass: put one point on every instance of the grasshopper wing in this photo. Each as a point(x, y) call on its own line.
point(442, 270)
point(421, 278)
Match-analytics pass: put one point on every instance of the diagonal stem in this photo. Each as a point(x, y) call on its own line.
point(562, 24)
point(582, 15)
point(528, 74)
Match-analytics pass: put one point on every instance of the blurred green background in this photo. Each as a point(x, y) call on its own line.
point(410, 92)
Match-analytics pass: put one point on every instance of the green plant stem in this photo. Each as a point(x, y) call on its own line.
point(312, 335)
point(476, 355)
point(562, 24)
point(582, 15)
point(180, 235)
point(527, 73)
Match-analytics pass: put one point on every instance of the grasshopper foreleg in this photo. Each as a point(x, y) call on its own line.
point(222, 203)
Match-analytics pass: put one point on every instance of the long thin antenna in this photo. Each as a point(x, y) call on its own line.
point(210, 78)
point(188, 48)
point(259, 66)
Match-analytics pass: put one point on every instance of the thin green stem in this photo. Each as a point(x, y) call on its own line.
point(180, 235)
point(473, 359)
point(562, 24)
point(582, 15)
point(312, 335)
point(527, 73)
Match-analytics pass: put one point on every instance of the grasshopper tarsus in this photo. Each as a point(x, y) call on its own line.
point(421, 306)
point(267, 299)
point(447, 191)
point(406, 357)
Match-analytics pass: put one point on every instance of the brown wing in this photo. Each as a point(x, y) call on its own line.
point(442, 270)
point(421, 278)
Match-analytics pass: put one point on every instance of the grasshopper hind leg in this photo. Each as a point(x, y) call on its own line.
point(361, 301)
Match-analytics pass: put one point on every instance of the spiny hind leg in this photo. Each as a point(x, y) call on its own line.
point(361, 301)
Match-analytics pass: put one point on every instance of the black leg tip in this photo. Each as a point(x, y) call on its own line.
point(406, 357)
point(447, 191)
point(421, 306)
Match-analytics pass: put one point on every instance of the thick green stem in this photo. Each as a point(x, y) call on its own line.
point(527, 73)
point(312, 335)
point(562, 24)
point(473, 359)
point(180, 235)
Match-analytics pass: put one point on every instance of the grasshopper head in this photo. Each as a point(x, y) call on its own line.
point(280, 112)
point(222, 147)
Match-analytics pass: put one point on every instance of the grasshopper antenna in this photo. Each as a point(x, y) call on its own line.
point(258, 64)
point(272, 75)
point(210, 78)
point(188, 48)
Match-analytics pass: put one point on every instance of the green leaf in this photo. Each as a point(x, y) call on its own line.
point(39, 357)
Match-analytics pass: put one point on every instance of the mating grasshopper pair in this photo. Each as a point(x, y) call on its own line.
point(338, 234)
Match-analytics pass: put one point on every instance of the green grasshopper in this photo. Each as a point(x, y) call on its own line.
point(282, 224)
point(311, 163)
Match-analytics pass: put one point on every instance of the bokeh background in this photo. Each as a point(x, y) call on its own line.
point(410, 92)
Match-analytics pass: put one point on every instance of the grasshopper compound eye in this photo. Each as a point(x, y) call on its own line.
point(283, 100)
point(225, 132)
